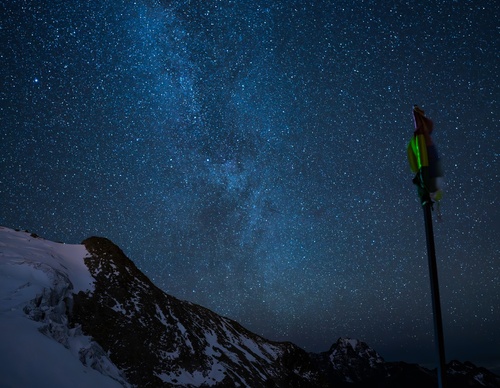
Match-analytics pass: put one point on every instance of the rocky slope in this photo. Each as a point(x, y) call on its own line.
point(119, 323)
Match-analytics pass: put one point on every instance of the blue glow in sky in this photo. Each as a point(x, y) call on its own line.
point(250, 157)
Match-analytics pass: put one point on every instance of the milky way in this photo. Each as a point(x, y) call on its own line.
point(250, 156)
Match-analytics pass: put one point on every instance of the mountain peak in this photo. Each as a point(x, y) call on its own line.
point(354, 361)
point(159, 339)
point(90, 306)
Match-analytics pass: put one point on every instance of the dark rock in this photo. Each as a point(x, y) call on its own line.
point(161, 341)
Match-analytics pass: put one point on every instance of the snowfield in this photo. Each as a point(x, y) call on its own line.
point(29, 267)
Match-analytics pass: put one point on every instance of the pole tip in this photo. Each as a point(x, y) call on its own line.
point(417, 109)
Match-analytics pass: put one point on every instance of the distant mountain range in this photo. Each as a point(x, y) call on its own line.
point(85, 315)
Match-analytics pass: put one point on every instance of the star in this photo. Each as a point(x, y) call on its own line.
point(251, 157)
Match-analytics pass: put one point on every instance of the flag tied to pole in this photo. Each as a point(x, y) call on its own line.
point(423, 158)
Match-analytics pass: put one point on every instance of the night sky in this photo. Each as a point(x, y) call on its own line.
point(250, 156)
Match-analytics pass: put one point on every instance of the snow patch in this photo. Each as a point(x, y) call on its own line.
point(37, 281)
point(352, 342)
point(161, 317)
point(184, 378)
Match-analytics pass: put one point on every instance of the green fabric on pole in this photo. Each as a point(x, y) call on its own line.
point(426, 166)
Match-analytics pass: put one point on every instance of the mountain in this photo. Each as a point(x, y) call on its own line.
point(85, 315)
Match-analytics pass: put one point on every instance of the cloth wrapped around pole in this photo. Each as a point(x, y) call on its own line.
point(424, 159)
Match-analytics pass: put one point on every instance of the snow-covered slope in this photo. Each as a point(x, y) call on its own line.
point(37, 279)
point(86, 316)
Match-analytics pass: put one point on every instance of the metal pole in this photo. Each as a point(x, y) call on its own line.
point(436, 304)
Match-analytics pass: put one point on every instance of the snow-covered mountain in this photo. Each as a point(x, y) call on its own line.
point(38, 346)
point(85, 316)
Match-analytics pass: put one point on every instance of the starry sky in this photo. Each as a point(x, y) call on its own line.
point(250, 156)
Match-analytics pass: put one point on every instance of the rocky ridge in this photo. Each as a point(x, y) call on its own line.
point(128, 329)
